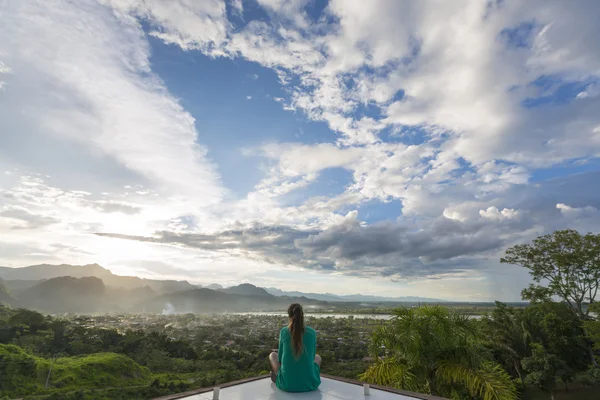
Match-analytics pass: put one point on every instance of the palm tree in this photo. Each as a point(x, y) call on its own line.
point(432, 350)
point(508, 332)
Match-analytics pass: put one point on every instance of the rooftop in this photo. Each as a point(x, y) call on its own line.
point(332, 388)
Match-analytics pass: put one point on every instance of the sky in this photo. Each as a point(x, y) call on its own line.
point(383, 147)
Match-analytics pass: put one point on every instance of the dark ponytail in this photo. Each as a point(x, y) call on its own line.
point(296, 328)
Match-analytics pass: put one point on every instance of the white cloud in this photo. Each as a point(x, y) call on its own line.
point(453, 214)
point(591, 90)
point(3, 70)
point(298, 159)
point(576, 212)
point(496, 215)
point(190, 24)
point(238, 8)
point(426, 100)
point(123, 115)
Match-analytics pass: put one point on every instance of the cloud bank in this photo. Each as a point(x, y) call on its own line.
point(466, 127)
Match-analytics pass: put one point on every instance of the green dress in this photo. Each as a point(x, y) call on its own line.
point(301, 375)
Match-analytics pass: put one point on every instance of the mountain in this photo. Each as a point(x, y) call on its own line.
point(94, 289)
point(203, 300)
point(314, 296)
point(378, 299)
point(89, 295)
point(85, 295)
point(354, 298)
point(19, 284)
point(214, 286)
point(121, 299)
point(246, 289)
point(28, 276)
point(48, 271)
point(65, 294)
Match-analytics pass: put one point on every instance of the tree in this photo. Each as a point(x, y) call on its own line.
point(34, 320)
point(564, 264)
point(506, 332)
point(543, 368)
point(430, 349)
point(567, 262)
point(562, 335)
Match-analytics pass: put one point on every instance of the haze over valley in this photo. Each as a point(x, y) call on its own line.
point(91, 289)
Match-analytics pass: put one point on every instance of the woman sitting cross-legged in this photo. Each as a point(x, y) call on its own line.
point(296, 367)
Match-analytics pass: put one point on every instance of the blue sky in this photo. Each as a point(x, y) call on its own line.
point(384, 147)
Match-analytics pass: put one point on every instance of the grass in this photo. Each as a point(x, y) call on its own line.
point(24, 373)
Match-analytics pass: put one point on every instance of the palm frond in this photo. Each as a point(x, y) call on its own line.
point(490, 381)
point(390, 372)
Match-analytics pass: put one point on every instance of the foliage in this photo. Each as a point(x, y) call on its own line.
point(180, 351)
point(567, 262)
point(21, 372)
point(543, 368)
point(430, 349)
point(507, 334)
point(24, 373)
point(564, 264)
point(592, 327)
point(427, 349)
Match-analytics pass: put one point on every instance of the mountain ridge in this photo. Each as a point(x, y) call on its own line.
point(353, 298)
point(99, 290)
point(246, 289)
point(27, 276)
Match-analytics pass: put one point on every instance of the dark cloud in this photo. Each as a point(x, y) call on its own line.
point(406, 248)
point(440, 239)
point(256, 238)
point(384, 249)
point(577, 190)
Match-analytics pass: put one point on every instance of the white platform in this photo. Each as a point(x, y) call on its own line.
point(330, 389)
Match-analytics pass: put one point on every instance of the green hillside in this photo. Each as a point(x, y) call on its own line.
point(17, 369)
point(99, 371)
point(5, 297)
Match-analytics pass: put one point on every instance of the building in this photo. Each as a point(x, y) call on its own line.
point(332, 388)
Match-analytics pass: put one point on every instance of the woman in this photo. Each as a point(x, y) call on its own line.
point(296, 367)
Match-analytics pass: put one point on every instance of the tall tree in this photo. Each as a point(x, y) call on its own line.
point(563, 264)
point(433, 350)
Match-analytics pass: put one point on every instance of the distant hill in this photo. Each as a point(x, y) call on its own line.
point(18, 278)
point(94, 289)
point(85, 295)
point(19, 284)
point(203, 300)
point(199, 300)
point(89, 295)
point(354, 298)
point(65, 294)
point(215, 286)
point(367, 298)
point(315, 296)
point(48, 271)
point(119, 299)
point(246, 289)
